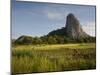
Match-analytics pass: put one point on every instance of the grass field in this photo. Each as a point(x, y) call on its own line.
point(51, 58)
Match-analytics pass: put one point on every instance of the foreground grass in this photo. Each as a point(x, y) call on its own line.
point(48, 58)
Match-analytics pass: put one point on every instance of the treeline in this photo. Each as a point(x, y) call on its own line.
point(52, 39)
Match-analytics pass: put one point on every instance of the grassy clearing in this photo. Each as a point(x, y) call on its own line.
point(52, 47)
point(48, 58)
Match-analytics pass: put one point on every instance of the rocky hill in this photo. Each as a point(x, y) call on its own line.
point(72, 28)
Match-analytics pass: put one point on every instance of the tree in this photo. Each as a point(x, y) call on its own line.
point(37, 40)
point(51, 40)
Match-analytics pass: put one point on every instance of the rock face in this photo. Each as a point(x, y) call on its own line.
point(73, 27)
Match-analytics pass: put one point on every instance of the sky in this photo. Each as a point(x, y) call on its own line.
point(38, 19)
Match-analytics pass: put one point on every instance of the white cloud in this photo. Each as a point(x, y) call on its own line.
point(55, 15)
point(89, 28)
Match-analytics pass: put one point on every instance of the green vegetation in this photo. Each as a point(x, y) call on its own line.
point(51, 39)
point(48, 58)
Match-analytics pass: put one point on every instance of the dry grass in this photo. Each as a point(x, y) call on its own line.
point(49, 58)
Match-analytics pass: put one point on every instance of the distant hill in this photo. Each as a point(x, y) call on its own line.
point(24, 40)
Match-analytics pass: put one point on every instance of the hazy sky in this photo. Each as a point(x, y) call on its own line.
point(37, 19)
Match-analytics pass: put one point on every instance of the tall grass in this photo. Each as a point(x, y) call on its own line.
point(42, 58)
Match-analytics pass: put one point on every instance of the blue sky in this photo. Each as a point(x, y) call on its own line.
point(37, 19)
